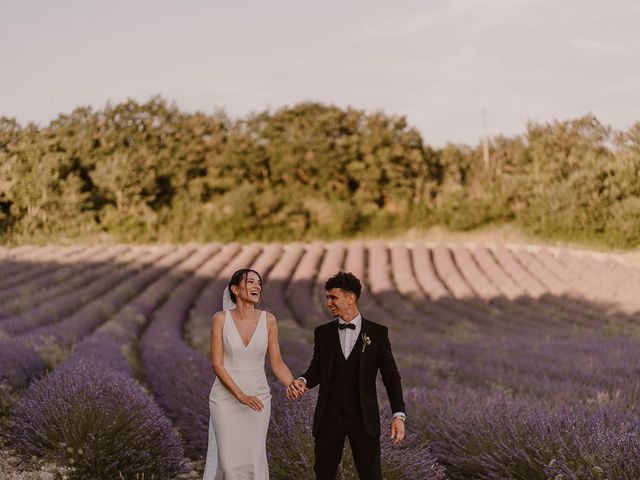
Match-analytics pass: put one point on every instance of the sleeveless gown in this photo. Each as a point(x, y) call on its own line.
point(237, 434)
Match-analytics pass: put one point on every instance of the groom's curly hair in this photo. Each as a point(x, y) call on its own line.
point(347, 281)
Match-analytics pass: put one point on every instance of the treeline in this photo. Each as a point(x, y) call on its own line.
point(149, 172)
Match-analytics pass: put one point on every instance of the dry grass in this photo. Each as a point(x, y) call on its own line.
point(13, 467)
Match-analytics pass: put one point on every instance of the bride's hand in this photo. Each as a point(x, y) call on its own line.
point(296, 389)
point(251, 402)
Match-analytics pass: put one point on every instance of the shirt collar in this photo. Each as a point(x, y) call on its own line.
point(356, 321)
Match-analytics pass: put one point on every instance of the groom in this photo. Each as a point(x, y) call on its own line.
point(347, 354)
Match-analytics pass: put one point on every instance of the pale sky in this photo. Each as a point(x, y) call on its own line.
point(436, 62)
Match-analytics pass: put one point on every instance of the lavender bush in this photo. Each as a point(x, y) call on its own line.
point(98, 422)
point(180, 377)
point(290, 446)
point(19, 364)
point(486, 435)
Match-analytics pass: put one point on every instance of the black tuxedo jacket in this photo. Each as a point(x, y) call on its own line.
point(376, 356)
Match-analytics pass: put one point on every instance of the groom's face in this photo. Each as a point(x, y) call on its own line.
point(340, 302)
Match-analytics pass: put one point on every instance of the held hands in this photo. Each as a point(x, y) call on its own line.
point(252, 402)
point(397, 430)
point(296, 389)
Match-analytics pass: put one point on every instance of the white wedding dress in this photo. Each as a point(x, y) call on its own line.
point(237, 434)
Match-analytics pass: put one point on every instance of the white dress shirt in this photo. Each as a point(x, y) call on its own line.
point(348, 338)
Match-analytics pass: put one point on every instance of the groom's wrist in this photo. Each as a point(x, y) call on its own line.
point(400, 415)
point(303, 379)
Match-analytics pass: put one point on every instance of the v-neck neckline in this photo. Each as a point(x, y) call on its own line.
point(238, 331)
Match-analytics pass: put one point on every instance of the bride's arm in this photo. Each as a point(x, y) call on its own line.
point(217, 363)
point(278, 366)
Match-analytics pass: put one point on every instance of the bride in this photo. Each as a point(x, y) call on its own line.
point(240, 399)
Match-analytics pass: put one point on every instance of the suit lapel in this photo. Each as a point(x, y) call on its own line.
point(334, 341)
point(363, 354)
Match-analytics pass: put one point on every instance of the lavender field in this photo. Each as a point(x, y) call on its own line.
point(518, 362)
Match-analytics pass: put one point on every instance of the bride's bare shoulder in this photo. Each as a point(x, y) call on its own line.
point(271, 318)
point(218, 317)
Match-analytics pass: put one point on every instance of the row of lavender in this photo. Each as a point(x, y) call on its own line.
point(454, 312)
point(91, 408)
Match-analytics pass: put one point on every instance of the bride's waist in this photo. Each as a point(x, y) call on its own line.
point(244, 369)
point(251, 380)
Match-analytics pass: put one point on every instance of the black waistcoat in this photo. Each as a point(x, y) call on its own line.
point(344, 385)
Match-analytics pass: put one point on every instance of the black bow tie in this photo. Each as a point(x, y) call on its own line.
point(342, 326)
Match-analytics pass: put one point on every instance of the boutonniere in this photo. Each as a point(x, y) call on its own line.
point(366, 341)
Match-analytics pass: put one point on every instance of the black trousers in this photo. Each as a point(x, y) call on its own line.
point(329, 444)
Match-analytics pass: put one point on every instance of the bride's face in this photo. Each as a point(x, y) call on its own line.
point(249, 289)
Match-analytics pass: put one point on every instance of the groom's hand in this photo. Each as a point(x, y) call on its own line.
point(296, 389)
point(397, 430)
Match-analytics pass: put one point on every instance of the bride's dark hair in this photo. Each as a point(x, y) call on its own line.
point(237, 277)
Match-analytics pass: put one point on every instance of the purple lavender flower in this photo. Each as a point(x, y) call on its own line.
point(97, 422)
